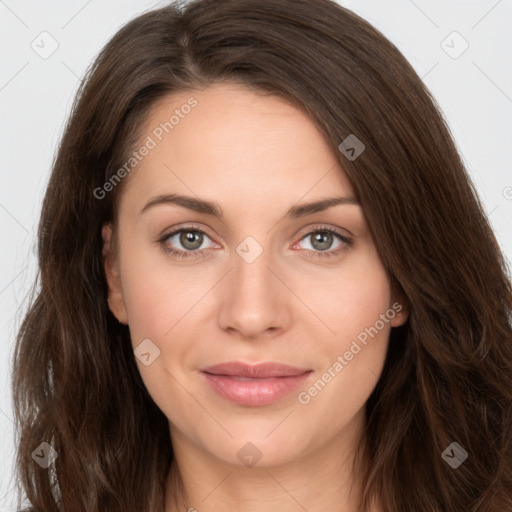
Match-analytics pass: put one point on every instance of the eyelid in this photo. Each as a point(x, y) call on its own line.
point(186, 227)
point(322, 227)
point(301, 233)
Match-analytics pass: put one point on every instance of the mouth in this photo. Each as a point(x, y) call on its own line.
point(254, 385)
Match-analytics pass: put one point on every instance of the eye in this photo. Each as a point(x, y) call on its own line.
point(190, 239)
point(321, 241)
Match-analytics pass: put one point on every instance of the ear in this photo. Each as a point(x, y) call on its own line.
point(111, 267)
point(401, 308)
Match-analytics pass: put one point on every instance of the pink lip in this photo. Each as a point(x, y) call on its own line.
point(256, 385)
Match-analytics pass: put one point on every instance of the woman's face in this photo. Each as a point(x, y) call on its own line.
point(258, 284)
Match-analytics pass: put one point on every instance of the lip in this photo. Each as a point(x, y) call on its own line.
point(254, 385)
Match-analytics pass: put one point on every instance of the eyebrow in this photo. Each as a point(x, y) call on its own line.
point(211, 208)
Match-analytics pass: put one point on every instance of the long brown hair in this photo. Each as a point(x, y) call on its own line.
point(448, 372)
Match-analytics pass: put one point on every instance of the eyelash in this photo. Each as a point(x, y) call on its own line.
point(316, 254)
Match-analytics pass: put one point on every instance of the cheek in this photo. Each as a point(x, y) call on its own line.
point(348, 299)
point(159, 302)
point(146, 305)
point(353, 357)
point(158, 294)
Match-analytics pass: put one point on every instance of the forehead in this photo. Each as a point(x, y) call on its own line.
point(227, 142)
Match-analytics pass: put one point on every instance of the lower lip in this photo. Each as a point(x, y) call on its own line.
point(254, 392)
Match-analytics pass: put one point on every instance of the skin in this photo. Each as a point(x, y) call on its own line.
point(256, 156)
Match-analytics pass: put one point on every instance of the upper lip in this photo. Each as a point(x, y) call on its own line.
point(257, 371)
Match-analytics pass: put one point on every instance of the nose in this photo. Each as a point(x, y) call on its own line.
point(254, 301)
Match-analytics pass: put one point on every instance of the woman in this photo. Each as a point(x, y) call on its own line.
point(266, 281)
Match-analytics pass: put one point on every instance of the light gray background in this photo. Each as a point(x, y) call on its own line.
point(474, 91)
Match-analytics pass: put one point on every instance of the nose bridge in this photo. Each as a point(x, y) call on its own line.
point(253, 278)
point(253, 281)
point(252, 300)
